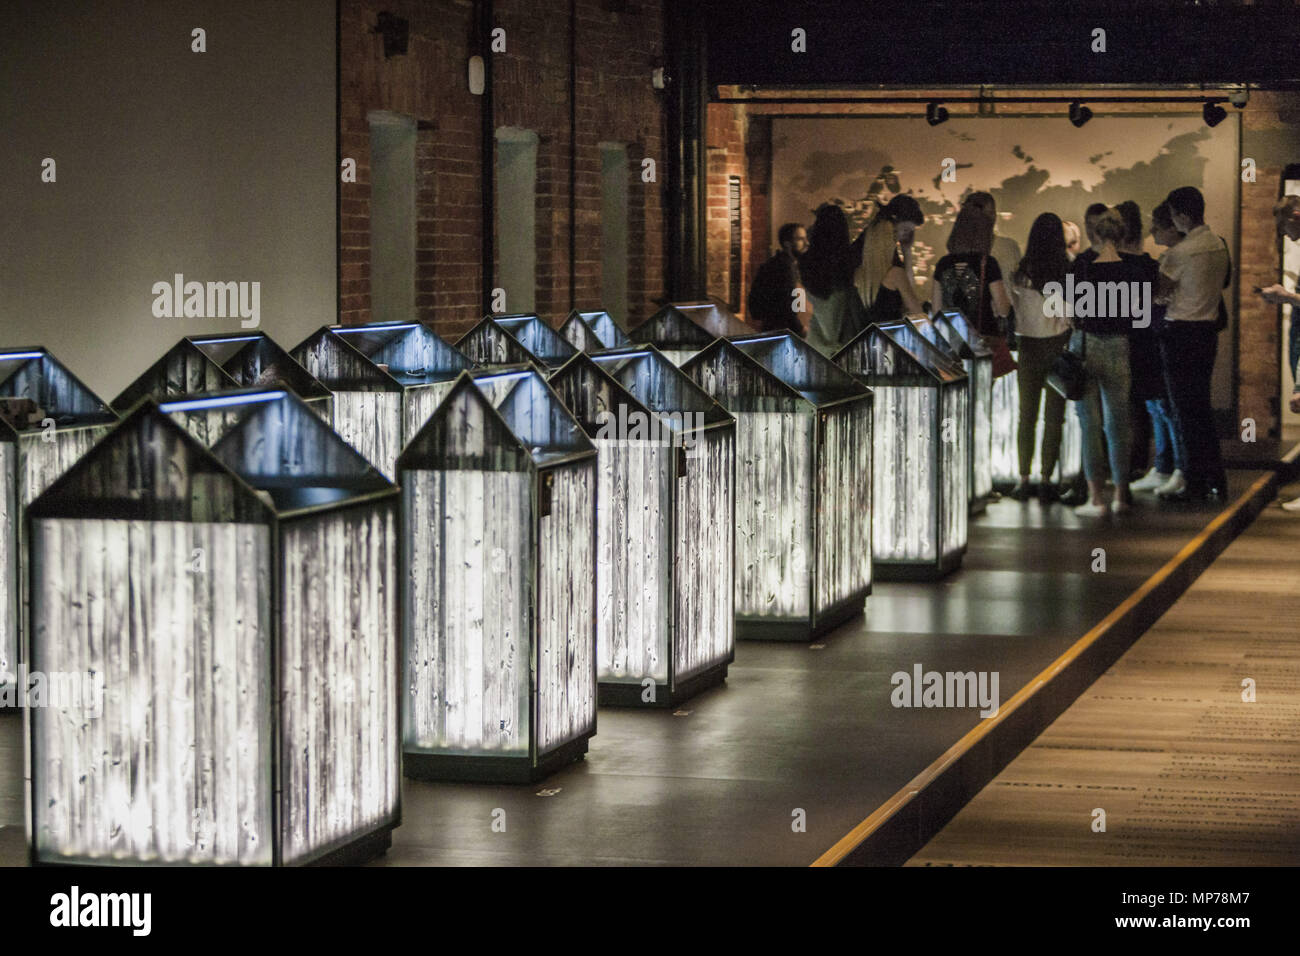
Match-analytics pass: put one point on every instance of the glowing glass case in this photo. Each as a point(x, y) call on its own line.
point(920, 468)
point(499, 589)
point(803, 472)
point(249, 707)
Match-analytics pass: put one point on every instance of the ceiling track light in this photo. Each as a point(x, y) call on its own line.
point(1213, 114)
point(1079, 114)
point(935, 113)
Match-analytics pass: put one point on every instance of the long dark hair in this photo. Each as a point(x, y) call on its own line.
point(1045, 257)
point(828, 264)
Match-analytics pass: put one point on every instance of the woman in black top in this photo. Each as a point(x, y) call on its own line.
point(1109, 297)
point(827, 271)
point(969, 279)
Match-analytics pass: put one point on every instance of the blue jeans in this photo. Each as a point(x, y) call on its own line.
point(1169, 450)
point(1105, 405)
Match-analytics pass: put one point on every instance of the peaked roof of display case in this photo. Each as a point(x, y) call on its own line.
point(802, 367)
point(148, 468)
point(411, 352)
point(497, 420)
point(341, 366)
point(896, 354)
point(36, 375)
point(255, 360)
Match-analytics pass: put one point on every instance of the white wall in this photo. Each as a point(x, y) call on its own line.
point(218, 165)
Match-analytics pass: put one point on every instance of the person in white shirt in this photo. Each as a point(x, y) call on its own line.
point(1192, 276)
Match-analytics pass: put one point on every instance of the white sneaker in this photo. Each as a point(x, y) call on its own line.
point(1292, 505)
point(1174, 485)
point(1150, 481)
point(1092, 511)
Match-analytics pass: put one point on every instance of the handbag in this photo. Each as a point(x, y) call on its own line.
point(1067, 376)
point(1004, 363)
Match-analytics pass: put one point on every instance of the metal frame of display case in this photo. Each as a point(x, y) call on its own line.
point(658, 384)
point(787, 398)
point(907, 361)
point(524, 432)
point(148, 447)
point(32, 456)
point(593, 331)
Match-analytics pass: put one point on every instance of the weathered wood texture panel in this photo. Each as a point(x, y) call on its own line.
point(489, 344)
point(418, 404)
point(954, 476)
point(566, 602)
point(371, 422)
point(468, 566)
point(44, 461)
point(338, 695)
point(9, 586)
point(177, 768)
point(774, 506)
point(844, 506)
point(905, 474)
point(980, 375)
point(633, 580)
point(704, 532)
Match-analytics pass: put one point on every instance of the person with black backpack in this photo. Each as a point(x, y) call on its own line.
point(968, 278)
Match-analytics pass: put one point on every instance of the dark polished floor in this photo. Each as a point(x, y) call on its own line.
point(796, 727)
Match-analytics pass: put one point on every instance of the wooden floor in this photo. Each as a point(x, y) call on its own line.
point(1186, 772)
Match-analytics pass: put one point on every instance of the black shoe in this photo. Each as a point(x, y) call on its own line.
point(1187, 495)
point(1021, 491)
point(1048, 492)
point(1073, 498)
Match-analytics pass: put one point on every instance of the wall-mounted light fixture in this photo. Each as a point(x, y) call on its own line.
point(935, 113)
point(1079, 114)
point(1213, 113)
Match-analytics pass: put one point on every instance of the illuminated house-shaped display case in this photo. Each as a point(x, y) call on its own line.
point(516, 339)
point(976, 357)
point(386, 379)
point(636, 487)
point(673, 334)
point(593, 331)
point(48, 419)
point(499, 589)
point(803, 472)
point(248, 712)
point(203, 364)
point(920, 469)
point(700, 582)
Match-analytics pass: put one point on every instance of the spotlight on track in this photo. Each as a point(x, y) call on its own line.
point(935, 114)
point(1213, 114)
point(1079, 114)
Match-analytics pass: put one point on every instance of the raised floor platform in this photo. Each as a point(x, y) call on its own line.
point(1187, 773)
point(811, 728)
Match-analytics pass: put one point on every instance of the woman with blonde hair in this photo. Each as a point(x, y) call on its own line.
point(883, 276)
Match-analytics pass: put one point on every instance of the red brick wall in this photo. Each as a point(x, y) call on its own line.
point(725, 145)
point(619, 43)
